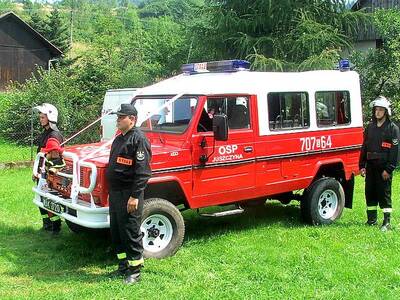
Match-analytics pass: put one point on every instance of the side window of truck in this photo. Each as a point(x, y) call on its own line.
point(237, 109)
point(288, 110)
point(333, 108)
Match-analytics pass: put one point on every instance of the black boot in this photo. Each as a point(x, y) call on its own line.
point(56, 226)
point(132, 275)
point(47, 225)
point(386, 222)
point(372, 217)
point(121, 271)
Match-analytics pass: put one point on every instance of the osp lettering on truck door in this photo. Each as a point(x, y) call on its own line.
point(227, 153)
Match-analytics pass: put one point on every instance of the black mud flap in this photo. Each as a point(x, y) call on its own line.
point(348, 187)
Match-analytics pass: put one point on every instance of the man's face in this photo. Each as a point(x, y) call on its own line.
point(125, 122)
point(379, 112)
point(53, 154)
point(44, 121)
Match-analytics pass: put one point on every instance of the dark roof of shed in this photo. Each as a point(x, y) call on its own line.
point(374, 5)
point(370, 33)
point(52, 48)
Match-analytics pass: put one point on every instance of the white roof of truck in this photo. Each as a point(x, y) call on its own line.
point(248, 82)
point(128, 90)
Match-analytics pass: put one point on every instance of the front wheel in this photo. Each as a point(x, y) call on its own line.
point(323, 202)
point(163, 228)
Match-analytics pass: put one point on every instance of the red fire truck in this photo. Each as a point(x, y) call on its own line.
point(221, 134)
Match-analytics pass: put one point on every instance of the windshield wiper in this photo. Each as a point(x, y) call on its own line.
point(159, 133)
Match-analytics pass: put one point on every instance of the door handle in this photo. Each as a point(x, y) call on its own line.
point(248, 149)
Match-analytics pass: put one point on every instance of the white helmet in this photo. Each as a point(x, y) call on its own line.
point(382, 102)
point(51, 112)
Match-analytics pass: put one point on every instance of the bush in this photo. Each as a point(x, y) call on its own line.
point(58, 88)
point(379, 69)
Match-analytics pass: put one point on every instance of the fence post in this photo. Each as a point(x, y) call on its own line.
point(32, 133)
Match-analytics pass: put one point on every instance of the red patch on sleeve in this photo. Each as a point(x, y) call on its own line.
point(124, 161)
point(386, 145)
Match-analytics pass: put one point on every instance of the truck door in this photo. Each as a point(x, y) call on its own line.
point(223, 171)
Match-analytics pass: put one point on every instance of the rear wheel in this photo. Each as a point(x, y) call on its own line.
point(323, 202)
point(163, 228)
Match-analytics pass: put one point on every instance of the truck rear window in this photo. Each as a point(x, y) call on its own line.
point(333, 108)
point(288, 110)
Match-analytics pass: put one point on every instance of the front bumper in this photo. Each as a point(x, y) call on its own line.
point(81, 213)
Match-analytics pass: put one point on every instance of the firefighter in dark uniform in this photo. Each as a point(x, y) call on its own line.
point(127, 174)
point(48, 117)
point(378, 160)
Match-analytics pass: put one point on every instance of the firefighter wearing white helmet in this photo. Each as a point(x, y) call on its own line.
point(51, 113)
point(378, 160)
point(48, 117)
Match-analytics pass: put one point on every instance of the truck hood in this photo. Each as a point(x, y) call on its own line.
point(163, 155)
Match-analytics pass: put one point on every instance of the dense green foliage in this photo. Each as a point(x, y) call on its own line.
point(119, 44)
point(284, 35)
point(113, 47)
point(380, 68)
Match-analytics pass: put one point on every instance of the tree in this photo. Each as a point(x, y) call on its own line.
point(6, 5)
point(57, 31)
point(282, 35)
point(38, 23)
point(380, 68)
point(165, 44)
point(28, 5)
point(178, 10)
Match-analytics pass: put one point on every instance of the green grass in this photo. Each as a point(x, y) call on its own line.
point(13, 153)
point(264, 254)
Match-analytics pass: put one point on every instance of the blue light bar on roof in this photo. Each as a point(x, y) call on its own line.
point(344, 65)
point(217, 66)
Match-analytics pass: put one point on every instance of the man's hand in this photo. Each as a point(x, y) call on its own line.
point(53, 171)
point(363, 172)
point(385, 175)
point(132, 205)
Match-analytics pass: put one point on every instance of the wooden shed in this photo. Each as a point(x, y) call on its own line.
point(368, 37)
point(22, 50)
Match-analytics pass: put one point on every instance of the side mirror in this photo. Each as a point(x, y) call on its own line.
point(220, 127)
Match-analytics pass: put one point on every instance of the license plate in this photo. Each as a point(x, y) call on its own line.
point(53, 206)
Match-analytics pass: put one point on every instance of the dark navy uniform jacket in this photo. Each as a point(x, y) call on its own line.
point(129, 163)
point(380, 147)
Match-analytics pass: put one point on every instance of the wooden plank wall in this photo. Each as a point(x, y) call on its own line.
point(369, 33)
point(20, 52)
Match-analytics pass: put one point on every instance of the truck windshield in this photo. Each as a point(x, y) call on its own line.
point(164, 115)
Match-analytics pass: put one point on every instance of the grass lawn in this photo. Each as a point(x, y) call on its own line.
point(13, 153)
point(264, 254)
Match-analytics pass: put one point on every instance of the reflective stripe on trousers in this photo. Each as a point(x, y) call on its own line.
point(55, 218)
point(121, 255)
point(135, 263)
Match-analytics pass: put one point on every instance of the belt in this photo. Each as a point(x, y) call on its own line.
point(375, 155)
point(120, 189)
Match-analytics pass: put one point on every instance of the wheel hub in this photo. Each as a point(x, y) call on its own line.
point(327, 204)
point(153, 232)
point(157, 232)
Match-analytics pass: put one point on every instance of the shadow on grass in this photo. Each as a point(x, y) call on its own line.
point(273, 213)
point(85, 256)
point(45, 257)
